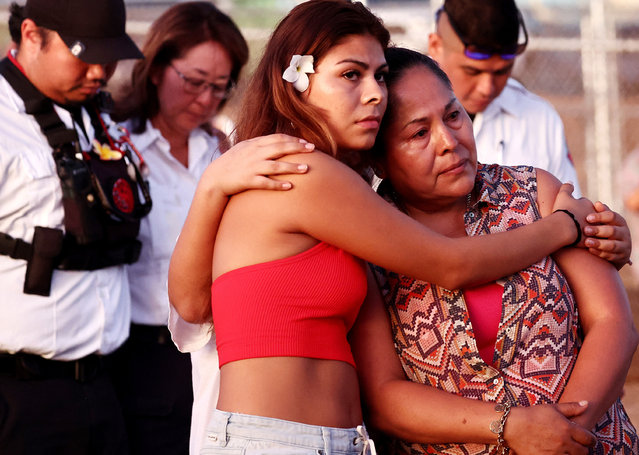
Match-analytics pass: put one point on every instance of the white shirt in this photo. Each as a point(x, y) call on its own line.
point(519, 127)
point(87, 311)
point(172, 187)
point(199, 340)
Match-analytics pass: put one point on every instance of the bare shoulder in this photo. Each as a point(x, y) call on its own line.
point(319, 162)
point(330, 202)
point(326, 178)
point(548, 180)
point(324, 172)
point(547, 188)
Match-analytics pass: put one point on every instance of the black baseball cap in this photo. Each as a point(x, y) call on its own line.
point(94, 30)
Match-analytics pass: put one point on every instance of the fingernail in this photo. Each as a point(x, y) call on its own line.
point(589, 242)
point(590, 218)
point(302, 167)
point(309, 146)
point(583, 403)
point(303, 141)
point(589, 230)
point(286, 185)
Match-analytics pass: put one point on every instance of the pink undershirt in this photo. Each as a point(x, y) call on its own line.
point(484, 305)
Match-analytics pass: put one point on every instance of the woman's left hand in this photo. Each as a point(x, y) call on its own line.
point(608, 235)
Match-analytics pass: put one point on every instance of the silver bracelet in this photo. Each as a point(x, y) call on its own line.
point(497, 426)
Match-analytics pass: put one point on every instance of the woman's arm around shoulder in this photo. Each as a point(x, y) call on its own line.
point(610, 337)
point(334, 204)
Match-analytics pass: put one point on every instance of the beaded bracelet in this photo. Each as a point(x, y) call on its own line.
point(497, 427)
point(578, 239)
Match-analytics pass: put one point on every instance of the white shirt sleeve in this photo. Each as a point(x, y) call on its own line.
point(186, 336)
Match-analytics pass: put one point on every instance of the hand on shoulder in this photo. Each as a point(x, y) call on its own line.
point(252, 164)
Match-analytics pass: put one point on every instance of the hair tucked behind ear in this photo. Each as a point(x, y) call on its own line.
point(272, 105)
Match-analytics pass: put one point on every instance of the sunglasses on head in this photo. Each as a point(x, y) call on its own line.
point(478, 53)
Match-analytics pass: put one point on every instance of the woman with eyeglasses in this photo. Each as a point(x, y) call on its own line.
point(193, 57)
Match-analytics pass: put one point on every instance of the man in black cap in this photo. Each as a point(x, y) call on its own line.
point(71, 197)
point(476, 43)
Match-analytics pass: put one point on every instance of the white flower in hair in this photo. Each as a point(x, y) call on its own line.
point(297, 71)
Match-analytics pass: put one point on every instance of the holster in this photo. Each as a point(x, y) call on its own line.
point(47, 246)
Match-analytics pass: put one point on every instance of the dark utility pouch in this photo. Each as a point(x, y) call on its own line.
point(47, 246)
point(81, 208)
point(117, 192)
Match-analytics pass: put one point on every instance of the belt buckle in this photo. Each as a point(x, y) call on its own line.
point(87, 368)
point(164, 336)
point(79, 375)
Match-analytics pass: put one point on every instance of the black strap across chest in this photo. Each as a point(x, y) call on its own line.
point(39, 106)
point(94, 237)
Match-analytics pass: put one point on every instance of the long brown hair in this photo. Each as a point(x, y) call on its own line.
point(272, 105)
point(175, 32)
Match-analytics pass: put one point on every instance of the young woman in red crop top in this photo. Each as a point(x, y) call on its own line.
point(322, 79)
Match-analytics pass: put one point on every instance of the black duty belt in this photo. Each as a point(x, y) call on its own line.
point(154, 334)
point(33, 367)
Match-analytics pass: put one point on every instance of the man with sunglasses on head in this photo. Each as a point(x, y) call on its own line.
point(476, 43)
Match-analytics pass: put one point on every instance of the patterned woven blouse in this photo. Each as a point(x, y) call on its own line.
point(538, 338)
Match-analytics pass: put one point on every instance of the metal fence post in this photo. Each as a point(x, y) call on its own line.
point(602, 94)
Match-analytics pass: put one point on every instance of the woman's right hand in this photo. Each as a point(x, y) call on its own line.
point(251, 164)
point(547, 429)
point(580, 208)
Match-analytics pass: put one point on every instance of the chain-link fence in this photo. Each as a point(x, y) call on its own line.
point(583, 57)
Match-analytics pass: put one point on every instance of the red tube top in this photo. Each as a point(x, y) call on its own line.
point(299, 306)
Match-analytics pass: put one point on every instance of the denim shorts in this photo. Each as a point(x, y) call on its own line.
point(240, 434)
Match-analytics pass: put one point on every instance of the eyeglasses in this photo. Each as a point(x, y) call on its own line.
point(199, 86)
point(479, 53)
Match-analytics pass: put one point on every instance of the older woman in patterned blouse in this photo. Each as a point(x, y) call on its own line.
point(515, 364)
